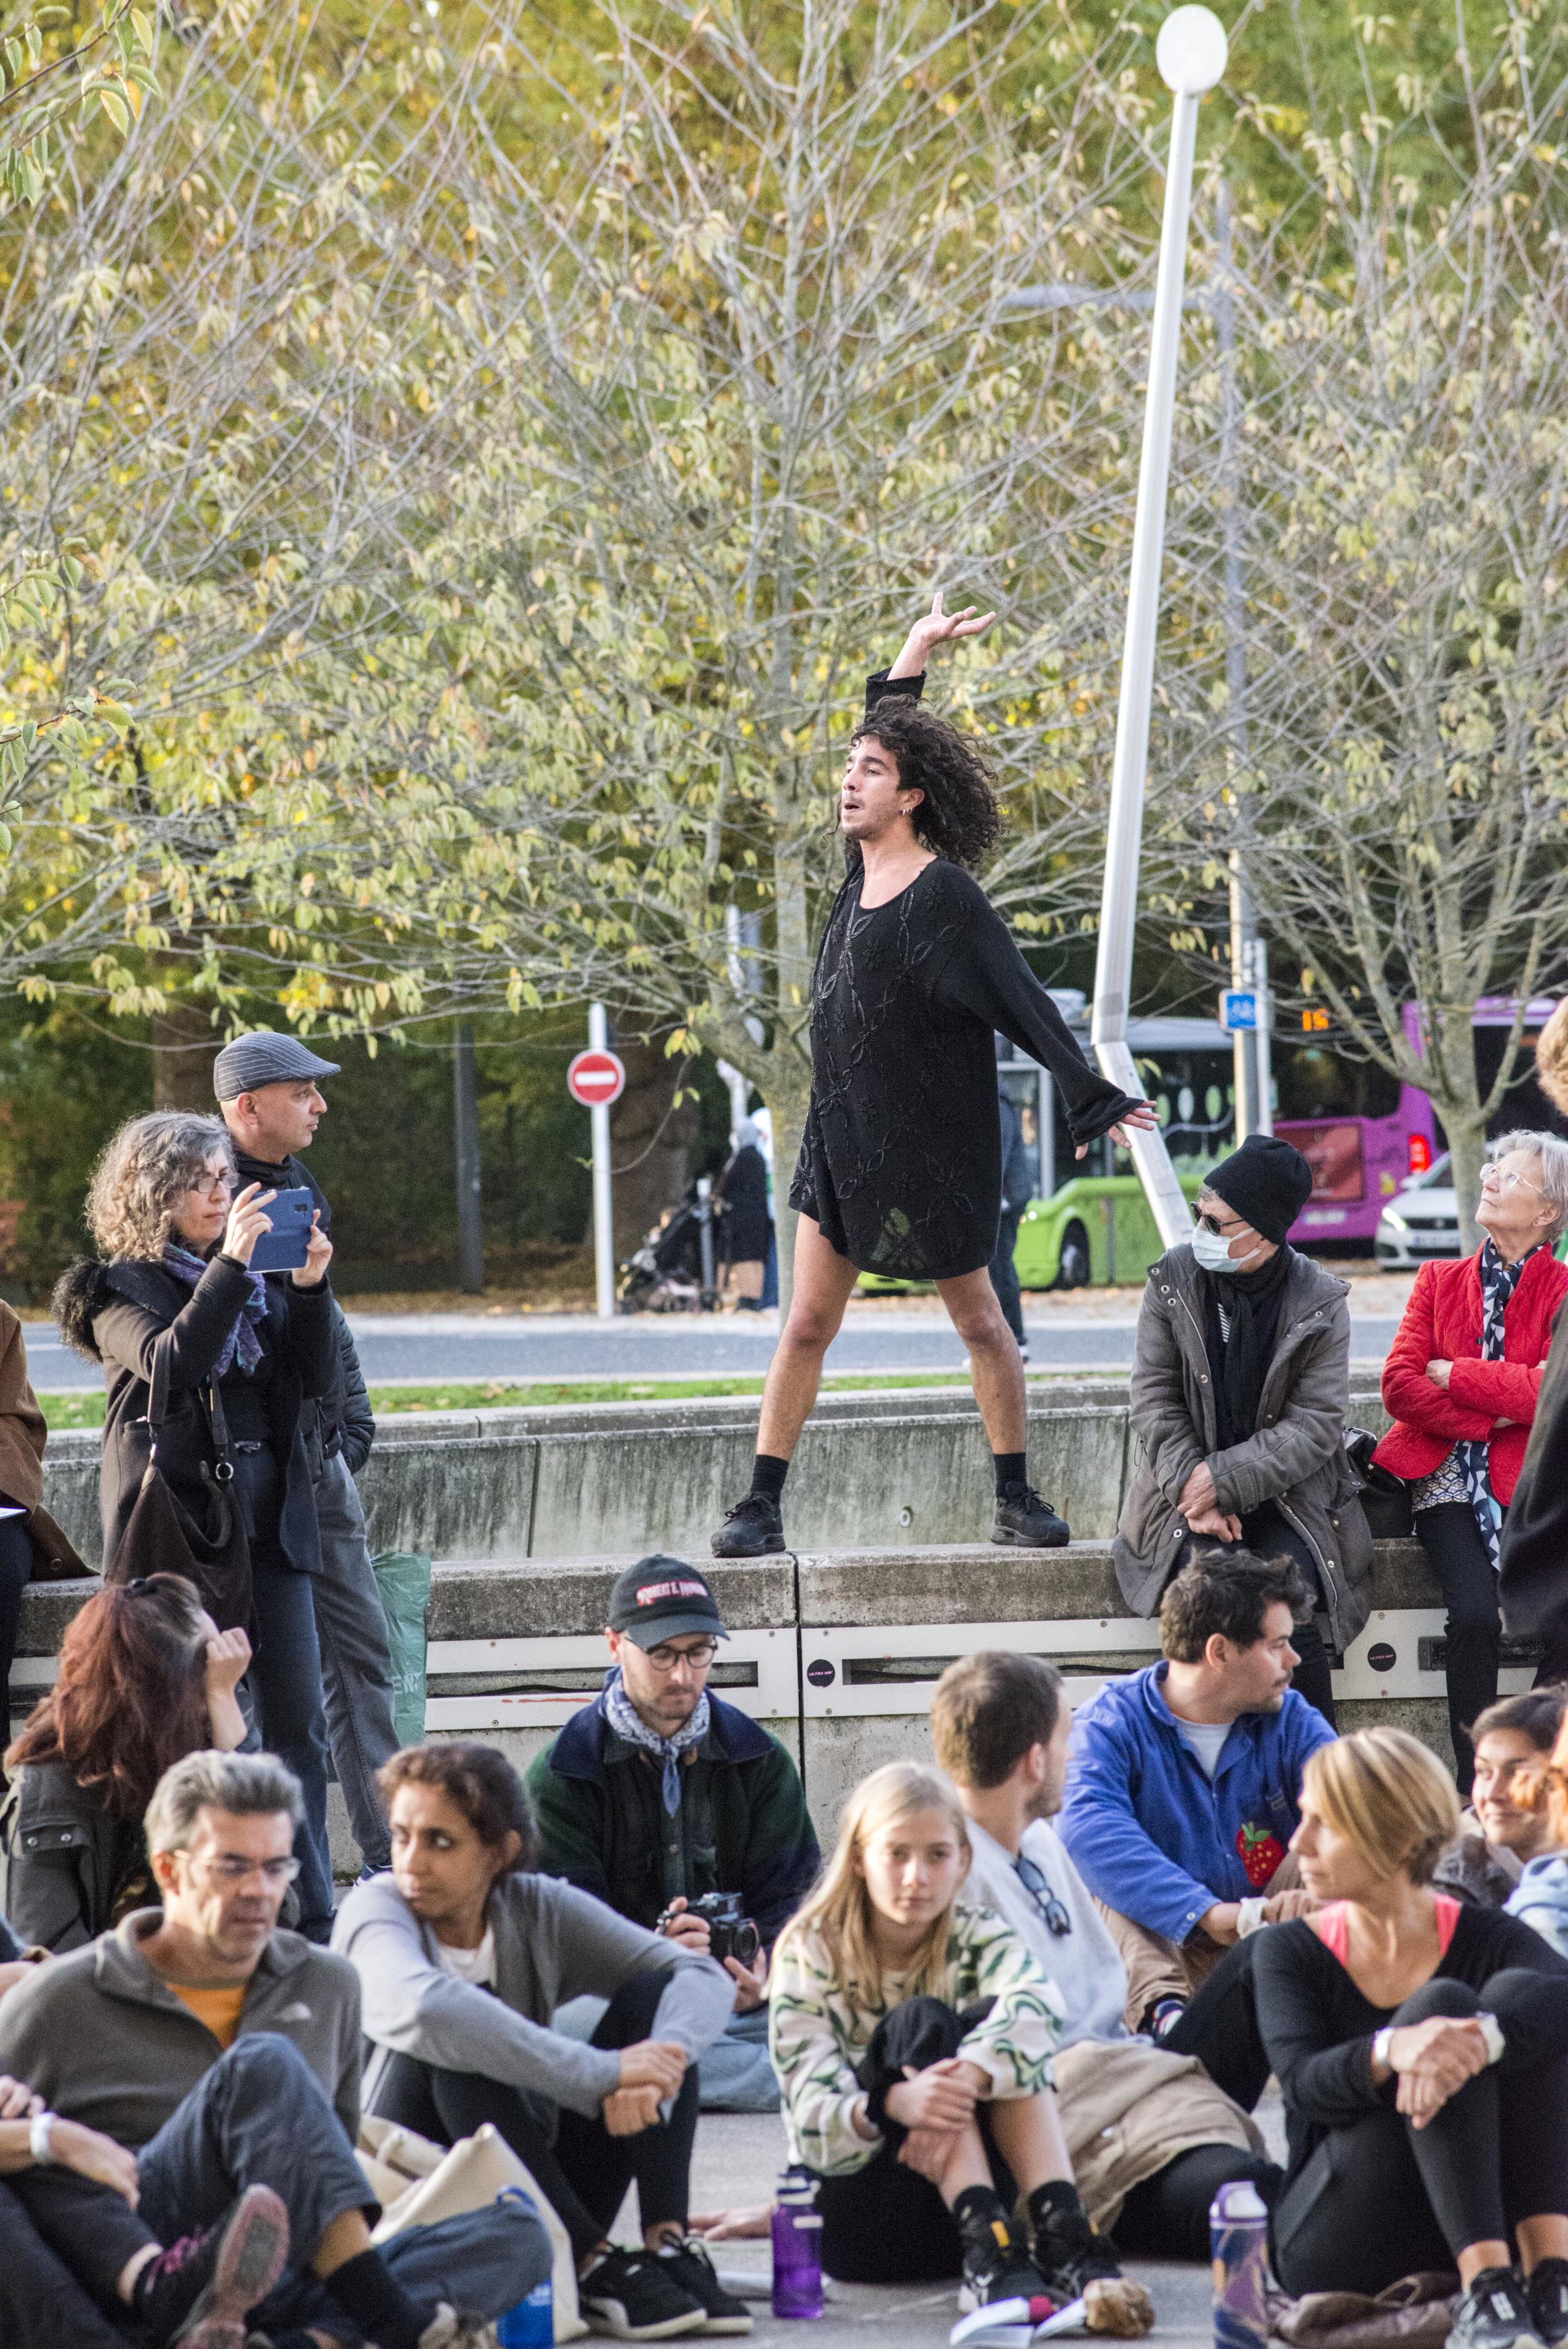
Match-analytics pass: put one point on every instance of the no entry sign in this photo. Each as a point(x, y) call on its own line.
point(596, 1079)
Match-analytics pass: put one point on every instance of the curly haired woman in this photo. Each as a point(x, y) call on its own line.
point(900, 1164)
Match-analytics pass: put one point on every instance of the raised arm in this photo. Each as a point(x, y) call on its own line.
point(937, 627)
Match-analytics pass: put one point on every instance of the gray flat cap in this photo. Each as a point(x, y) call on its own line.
point(265, 1058)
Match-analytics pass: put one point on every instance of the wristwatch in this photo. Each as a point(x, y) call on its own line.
point(1381, 2043)
point(38, 2139)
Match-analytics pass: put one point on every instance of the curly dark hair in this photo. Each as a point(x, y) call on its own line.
point(958, 817)
point(476, 1780)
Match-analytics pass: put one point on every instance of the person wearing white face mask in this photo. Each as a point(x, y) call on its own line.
point(1241, 1378)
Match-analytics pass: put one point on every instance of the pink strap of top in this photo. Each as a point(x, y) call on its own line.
point(1332, 1926)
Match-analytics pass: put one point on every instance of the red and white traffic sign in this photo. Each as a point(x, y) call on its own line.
point(596, 1079)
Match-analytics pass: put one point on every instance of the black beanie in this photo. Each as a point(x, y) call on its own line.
point(1267, 1182)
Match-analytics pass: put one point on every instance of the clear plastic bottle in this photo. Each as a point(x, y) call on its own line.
point(1239, 2240)
point(796, 2246)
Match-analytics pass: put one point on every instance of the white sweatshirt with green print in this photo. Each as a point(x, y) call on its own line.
point(818, 2028)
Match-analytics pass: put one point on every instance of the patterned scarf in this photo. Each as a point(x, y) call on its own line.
point(242, 1340)
point(627, 1722)
point(1498, 1283)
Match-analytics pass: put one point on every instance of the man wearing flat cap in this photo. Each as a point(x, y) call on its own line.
point(267, 1090)
point(659, 1791)
point(1240, 1379)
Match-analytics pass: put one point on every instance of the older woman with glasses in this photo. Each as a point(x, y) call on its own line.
point(1461, 1383)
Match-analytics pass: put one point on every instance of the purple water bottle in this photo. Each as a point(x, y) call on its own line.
point(1239, 2239)
point(796, 2246)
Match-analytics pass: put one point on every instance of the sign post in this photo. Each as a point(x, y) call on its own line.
point(596, 1078)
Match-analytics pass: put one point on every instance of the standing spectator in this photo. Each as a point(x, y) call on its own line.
point(31, 1543)
point(746, 1223)
point(464, 1955)
point(659, 1791)
point(1241, 1378)
point(1015, 1189)
point(1535, 1540)
point(177, 1273)
point(1505, 1828)
point(225, 2054)
point(1461, 1383)
point(267, 1091)
point(1184, 1781)
point(146, 1677)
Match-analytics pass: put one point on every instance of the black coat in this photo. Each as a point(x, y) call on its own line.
point(744, 1226)
point(340, 1416)
point(1533, 1573)
point(116, 1313)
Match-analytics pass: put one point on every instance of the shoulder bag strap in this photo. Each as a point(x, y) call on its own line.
point(224, 1466)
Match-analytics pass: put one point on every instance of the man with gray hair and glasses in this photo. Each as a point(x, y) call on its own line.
point(225, 2053)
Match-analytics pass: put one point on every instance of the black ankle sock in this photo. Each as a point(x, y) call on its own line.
point(768, 1474)
point(1056, 2194)
point(979, 2206)
point(365, 2290)
point(1012, 1468)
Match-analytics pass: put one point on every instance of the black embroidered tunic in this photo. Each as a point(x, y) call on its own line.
point(900, 1162)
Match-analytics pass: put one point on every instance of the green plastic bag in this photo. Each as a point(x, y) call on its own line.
point(403, 1579)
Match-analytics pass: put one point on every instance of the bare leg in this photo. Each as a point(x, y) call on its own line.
point(995, 1365)
point(1542, 2237)
point(1028, 2134)
point(824, 1282)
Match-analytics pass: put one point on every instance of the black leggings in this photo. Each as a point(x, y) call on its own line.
point(581, 2169)
point(1167, 2217)
point(1220, 2027)
point(1379, 2199)
point(884, 2223)
point(1463, 1563)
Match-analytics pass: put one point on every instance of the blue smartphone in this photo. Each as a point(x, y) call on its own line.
point(282, 1250)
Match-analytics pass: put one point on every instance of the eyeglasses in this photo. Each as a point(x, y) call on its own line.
point(664, 1659)
point(230, 1868)
point(1508, 1178)
point(1037, 1886)
point(1222, 1231)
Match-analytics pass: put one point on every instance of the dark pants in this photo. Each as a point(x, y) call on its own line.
point(16, 1565)
point(1269, 1532)
point(1167, 2216)
point(260, 2116)
point(884, 2223)
point(42, 2303)
point(284, 1683)
point(581, 2169)
point(1379, 2199)
point(1463, 1563)
point(356, 1657)
point(1004, 1273)
point(1220, 2027)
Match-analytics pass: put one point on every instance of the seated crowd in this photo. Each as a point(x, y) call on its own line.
point(1019, 2023)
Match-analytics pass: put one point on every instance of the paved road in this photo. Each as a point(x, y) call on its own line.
point(422, 1347)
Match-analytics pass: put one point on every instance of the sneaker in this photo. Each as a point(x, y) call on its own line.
point(632, 2296)
point(753, 1529)
point(199, 2293)
point(1495, 2313)
point(1080, 2263)
point(996, 2268)
point(691, 2265)
point(451, 2328)
point(1546, 2289)
point(1026, 1522)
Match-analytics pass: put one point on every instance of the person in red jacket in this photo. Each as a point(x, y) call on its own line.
point(1461, 1381)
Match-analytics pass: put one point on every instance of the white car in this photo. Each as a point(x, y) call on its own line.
point(1420, 1221)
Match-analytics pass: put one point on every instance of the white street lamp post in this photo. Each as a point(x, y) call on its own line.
point(1191, 53)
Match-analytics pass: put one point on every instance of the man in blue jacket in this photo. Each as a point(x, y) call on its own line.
point(1184, 1781)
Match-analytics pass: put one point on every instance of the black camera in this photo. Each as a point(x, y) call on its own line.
point(730, 1934)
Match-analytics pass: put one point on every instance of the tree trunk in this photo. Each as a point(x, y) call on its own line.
point(184, 1050)
point(788, 1113)
point(1467, 1153)
point(650, 1143)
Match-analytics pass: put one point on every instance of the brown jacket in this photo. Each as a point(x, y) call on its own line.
point(22, 1438)
point(1127, 2108)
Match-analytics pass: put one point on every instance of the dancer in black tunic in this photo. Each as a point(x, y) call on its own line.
point(900, 1170)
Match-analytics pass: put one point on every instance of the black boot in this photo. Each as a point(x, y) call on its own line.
point(1026, 1522)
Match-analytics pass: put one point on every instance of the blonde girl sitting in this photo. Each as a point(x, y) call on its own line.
point(911, 2034)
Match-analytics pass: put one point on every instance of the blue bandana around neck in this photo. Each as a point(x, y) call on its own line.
point(627, 1721)
point(242, 1340)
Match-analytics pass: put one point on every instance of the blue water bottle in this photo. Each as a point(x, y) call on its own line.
point(532, 2324)
point(1239, 2240)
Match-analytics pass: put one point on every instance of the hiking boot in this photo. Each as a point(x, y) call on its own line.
point(199, 2293)
point(632, 2296)
point(691, 2265)
point(1495, 2313)
point(1026, 1522)
point(753, 1529)
point(1546, 2289)
point(996, 2268)
point(1079, 2264)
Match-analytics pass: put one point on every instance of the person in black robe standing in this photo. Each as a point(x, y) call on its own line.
point(901, 1162)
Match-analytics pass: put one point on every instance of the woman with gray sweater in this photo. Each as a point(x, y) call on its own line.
point(463, 1955)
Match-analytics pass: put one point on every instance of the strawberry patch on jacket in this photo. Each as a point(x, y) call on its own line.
point(1261, 1853)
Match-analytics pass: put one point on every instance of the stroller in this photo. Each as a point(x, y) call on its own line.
point(665, 1276)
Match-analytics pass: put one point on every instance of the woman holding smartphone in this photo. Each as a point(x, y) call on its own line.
point(177, 1239)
